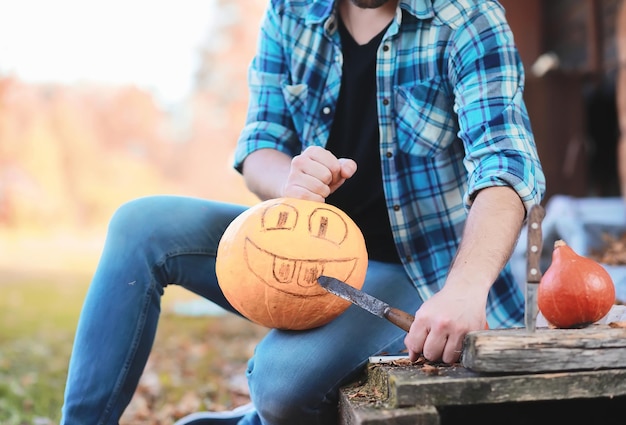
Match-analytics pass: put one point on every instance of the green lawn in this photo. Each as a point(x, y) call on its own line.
point(194, 359)
point(38, 317)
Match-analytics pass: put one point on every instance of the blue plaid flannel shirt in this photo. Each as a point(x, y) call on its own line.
point(451, 116)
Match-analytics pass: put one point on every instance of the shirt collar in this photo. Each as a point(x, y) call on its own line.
point(421, 9)
point(321, 10)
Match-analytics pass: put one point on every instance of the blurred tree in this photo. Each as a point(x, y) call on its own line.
point(70, 155)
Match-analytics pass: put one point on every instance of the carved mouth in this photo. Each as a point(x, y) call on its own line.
point(294, 276)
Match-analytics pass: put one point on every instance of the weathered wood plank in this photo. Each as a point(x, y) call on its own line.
point(457, 386)
point(353, 411)
point(365, 404)
point(545, 350)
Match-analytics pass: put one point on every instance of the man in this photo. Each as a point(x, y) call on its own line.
point(408, 115)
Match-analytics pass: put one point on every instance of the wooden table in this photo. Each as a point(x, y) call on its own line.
point(506, 377)
point(401, 394)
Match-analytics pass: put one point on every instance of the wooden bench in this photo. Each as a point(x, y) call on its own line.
point(507, 377)
point(401, 394)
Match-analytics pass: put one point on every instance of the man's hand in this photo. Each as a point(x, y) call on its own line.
point(442, 322)
point(316, 173)
point(491, 231)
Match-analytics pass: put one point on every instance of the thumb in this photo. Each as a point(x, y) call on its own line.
point(348, 167)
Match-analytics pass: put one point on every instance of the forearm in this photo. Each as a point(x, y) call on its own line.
point(265, 172)
point(491, 232)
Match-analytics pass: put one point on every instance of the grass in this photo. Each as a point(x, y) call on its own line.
point(197, 362)
point(38, 318)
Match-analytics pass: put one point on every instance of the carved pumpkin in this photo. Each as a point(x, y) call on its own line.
point(575, 291)
point(271, 255)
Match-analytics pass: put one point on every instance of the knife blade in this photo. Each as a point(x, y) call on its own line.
point(367, 302)
point(533, 270)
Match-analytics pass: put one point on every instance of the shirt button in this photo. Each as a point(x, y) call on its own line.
point(396, 207)
point(389, 154)
point(385, 101)
point(326, 110)
point(408, 259)
point(385, 48)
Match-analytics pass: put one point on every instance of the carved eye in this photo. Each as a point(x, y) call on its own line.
point(327, 224)
point(280, 217)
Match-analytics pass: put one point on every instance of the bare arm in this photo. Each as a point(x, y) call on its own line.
point(313, 175)
point(490, 235)
point(265, 172)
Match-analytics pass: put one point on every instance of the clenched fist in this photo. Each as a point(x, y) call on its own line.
point(316, 173)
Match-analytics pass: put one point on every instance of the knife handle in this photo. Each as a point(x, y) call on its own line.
point(399, 318)
point(535, 216)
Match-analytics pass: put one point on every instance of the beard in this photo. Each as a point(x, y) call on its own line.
point(368, 4)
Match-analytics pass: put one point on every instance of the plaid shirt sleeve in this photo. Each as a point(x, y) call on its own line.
point(458, 124)
point(488, 80)
point(269, 121)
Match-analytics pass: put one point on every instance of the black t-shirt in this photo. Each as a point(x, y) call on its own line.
point(354, 134)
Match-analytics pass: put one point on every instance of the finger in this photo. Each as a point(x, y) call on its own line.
point(311, 165)
point(453, 350)
point(311, 174)
point(414, 340)
point(325, 158)
point(346, 170)
point(299, 192)
point(321, 155)
point(304, 186)
point(434, 346)
point(315, 151)
point(413, 356)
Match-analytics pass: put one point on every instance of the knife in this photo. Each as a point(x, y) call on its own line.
point(367, 302)
point(533, 271)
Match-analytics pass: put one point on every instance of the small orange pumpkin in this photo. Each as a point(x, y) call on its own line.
point(575, 291)
point(270, 256)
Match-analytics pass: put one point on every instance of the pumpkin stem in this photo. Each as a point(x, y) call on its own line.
point(559, 243)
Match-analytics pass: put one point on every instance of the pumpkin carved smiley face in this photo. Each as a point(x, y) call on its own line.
point(270, 257)
point(293, 268)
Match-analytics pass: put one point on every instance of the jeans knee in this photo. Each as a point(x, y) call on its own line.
point(279, 404)
point(287, 398)
point(134, 216)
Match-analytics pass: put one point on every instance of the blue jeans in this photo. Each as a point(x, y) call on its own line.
point(294, 376)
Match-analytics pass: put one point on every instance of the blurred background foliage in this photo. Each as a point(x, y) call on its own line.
point(70, 154)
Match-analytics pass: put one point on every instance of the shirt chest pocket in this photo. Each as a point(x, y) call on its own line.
point(425, 121)
point(296, 100)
